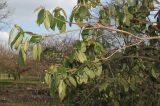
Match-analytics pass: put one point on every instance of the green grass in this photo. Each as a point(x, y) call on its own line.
point(5, 82)
point(5, 76)
point(29, 104)
point(33, 82)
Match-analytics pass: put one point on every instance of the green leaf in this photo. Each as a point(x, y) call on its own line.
point(81, 57)
point(103, 14)
point(86, 33)
point(18, 40)
point(35, 52)
point(63, 29)
point(55, 80)
point(18, 37)
point(81, 46)
point(85, 78)
point(38, 9)
point(78, 45)
point(78, 79)
point(103, 86)
point(98, 48)
point(61, 25)
point(39, 50)
point(41, 16)
point(127, 18)
point(126, 8)
point(59, 20)
point(63, 11)
point(62, 89)
point(53, 68)
point(104, 21)
point(98, 70)
point(80, 13)
point(59, 10)
point(71, 19)
point(53, 23)
point(22, 57)
point(72, 81)
point(82, 78)
point(154, 74)
point(47, 20)
point(25, 46)
point(73, 14)
point(15, 39)
point(126, 88)
point(18, 28)
point(83, 12)
point(36, 39)
point(48, 79)
point(32, 34)
point(89, 72)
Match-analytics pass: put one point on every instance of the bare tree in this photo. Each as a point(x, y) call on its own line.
point(4, 12)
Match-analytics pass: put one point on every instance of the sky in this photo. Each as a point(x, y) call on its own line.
point(22, 14)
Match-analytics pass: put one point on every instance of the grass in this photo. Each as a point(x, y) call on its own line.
point(30, 104)
point(6, 77)
point(26, 82)
point(4, 82)
point(16, 94)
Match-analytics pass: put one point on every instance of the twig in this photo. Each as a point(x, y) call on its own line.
point(107, 58)
point(143, 57)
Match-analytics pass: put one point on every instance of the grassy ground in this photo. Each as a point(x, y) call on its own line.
point(28, 91)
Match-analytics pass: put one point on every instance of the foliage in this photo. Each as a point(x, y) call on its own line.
point(97, 69)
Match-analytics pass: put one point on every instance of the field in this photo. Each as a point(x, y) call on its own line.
point(28, 91)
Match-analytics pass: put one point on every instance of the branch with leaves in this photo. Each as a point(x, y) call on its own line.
point(86, 63)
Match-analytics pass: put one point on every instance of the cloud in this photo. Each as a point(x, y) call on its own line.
point(4, 36)
point(23, 10)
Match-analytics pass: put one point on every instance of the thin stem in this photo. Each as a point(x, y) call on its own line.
point(116, 51)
